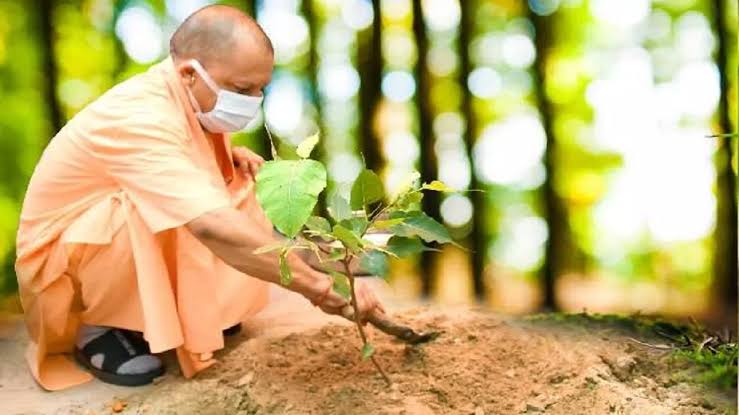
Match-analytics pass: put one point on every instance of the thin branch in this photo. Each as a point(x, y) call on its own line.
point(347, 267)
point(654, 346)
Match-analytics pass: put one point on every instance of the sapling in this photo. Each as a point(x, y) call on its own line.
point(288, 188)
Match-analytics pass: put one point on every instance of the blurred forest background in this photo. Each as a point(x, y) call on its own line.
point(585, 122)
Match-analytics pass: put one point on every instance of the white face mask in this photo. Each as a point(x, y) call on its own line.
point(232, 111)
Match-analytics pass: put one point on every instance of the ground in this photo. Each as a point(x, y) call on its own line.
point(292, 360)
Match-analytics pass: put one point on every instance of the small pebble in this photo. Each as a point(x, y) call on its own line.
point(246, 379)
point(118, 406)
point(532, 408)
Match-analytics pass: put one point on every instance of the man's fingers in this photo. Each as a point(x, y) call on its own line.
point(367, 303)
point(247, 161)
point(380, 307)
point(253, 170)
point(256, 159)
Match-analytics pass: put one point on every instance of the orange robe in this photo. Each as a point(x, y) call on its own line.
point(101, 238)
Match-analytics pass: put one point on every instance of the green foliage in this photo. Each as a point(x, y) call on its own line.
point(367, 189)
point(386, 223)
point(286, 276)
point(421, 225)
point(288, 191)
point(306, 146)
point(341, 284)
point(375, 263)
point(318, 224)
point(409, 201)
point(367, 351)
point(336, 254)
point(713, 367)
point(357, 225)
point(402, 246)
point(339, 208)
point(286, 152)
point(437, 186)
point(347, 237)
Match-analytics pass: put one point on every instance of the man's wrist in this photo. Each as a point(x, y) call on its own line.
point(310, 283)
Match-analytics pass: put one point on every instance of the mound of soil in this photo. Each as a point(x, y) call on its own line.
point(481, 364)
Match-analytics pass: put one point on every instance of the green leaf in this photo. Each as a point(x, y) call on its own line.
point(286, 277)
point(306, 146)
point(421, 225)
point(410, 200)
point(402, 246)
point(357, 225)
point(375, 263)
point(318, 224)
point(437, 186)
point(367, 351)
point(386, 223)
point(341, 284)
point(408, 183)
point(271, 247)
point(337, 254)
point(339, 208)
point(366, 189)
point(286, 151)
point(347, 237)
point(288, 190)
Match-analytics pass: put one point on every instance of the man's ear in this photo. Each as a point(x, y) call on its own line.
point(186, 72)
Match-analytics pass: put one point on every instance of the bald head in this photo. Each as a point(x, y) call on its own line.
point(234, 51)
point(214, 33)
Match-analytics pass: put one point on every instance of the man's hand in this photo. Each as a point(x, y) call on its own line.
point(367, 302)
point(247, 161)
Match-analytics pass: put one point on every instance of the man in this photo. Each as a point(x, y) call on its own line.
point(139, 224)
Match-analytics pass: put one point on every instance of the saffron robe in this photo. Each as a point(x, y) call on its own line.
point(102, 240)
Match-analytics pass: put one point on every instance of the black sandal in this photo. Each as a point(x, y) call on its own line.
point(117, 347)
point(233, 330)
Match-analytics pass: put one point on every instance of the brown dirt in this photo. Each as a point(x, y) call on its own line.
point(482, 364)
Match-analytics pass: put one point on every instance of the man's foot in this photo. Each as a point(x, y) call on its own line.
point(117, 356)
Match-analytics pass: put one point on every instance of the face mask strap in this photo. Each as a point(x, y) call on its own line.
point(204, 74)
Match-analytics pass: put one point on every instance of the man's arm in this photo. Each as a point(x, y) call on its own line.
point(230, 235)
point(233, 236)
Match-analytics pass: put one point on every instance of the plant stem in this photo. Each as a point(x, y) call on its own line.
point(347, 262)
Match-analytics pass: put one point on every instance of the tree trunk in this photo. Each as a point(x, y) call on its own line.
point(425, 134)
point(725, 235)
point(477, 234)
point(45, 10)
point(558, 244)
point(369, 62)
